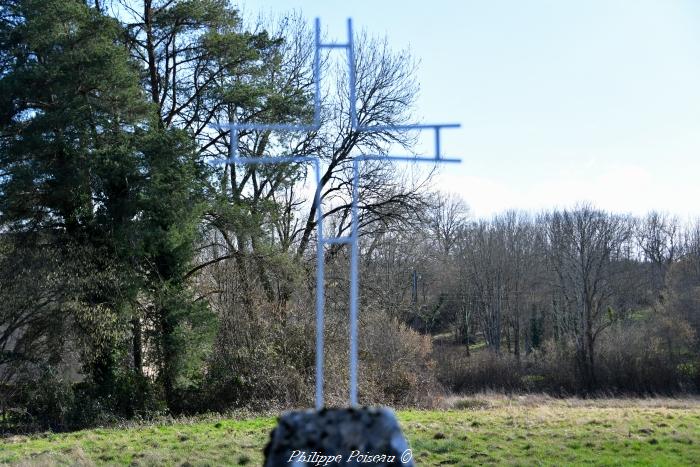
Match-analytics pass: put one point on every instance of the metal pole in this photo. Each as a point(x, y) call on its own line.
point(320, 292)
point(354, 283)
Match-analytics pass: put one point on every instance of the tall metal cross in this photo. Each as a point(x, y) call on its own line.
point(321, 240)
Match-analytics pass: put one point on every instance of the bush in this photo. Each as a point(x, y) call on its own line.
point(397, 367)
point(646, 357)
point(484, 370)
point(45, 399)
point(48, 401)
point(260, 363)
point(640, 357)
point(264, 359)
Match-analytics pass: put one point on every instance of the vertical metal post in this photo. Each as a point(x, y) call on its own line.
point(320, 290)
point(354, 282)
point(351, 76)
point(317, 73)
point(437, 142)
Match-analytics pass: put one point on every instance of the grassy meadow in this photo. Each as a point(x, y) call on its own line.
point(480, 430)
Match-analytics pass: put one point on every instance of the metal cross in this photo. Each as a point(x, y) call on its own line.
point(352, 239)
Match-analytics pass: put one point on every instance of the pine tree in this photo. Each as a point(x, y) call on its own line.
point(88, 167)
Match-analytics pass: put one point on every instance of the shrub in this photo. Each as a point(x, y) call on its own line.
point(396, 363)
point(633, 357)
point(48, 401)
point(265, 358)
point(644, 357)
point(260, 362)
point(482, 370)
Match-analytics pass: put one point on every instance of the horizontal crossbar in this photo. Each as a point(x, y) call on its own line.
point(409, 158)
point(337, 240)
point(297, 159)
point(417, 126)
point(269, 160)
point(315, 126)
point(270, 127)
point(333, 45)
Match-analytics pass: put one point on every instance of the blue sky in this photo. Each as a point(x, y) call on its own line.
point(560, 100)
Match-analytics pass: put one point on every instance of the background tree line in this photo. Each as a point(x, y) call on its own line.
point(139, 276)
point(567, 301)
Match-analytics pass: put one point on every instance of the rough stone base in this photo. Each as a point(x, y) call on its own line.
point(355, 436)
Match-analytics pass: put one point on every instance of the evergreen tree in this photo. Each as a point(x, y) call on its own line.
point(88, 167)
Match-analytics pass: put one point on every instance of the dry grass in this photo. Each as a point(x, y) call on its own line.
point(488, 400)
point(484, 429)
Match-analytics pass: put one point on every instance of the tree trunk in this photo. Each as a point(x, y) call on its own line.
point(516, 335)
point(591, 358)
point(151, 51)
point(466, 329)
point(136, 346)
point(167, 370)
point(262, 273)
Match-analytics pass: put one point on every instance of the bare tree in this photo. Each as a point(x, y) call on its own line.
point(447, 216)
point(658, 236)
point(485, 260)
point(386, 91)
point(522, 261)
point(585, 244)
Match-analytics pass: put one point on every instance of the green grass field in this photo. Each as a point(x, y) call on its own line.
point(475, 431)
